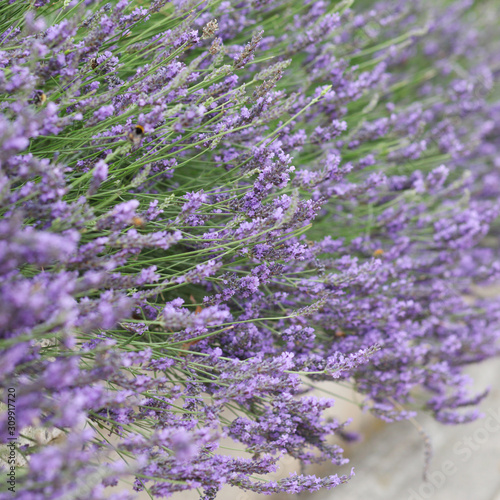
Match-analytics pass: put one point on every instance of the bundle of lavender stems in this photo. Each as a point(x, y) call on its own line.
point(210, 207)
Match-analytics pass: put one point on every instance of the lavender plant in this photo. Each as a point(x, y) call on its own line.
point(208, 207)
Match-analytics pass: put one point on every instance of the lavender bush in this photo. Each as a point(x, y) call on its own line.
point(208, 207)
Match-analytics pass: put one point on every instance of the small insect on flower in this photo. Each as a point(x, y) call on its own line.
point(138, 222)
point(97, 66)
point(39, 98)
point(136, 134)
point(137, 314)
point(378, 252)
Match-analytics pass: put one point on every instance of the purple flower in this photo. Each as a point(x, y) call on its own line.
point(317, 210)
point(100, 174)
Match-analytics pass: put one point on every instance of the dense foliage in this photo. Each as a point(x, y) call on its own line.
point(207, 207)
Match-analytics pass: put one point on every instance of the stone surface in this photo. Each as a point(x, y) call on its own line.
point(465, 463)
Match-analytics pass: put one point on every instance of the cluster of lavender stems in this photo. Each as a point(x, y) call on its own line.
point(208, 207)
